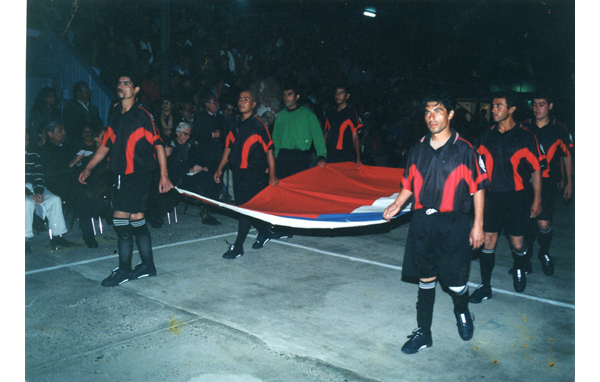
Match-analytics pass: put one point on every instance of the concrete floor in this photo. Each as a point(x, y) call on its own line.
point(321, 306)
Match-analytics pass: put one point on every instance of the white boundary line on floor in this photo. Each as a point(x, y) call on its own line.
point(327, 253)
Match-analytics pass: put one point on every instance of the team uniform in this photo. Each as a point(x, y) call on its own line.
point(339, 128)
point(132, 138)
point(510, 158)
point(249, 141)
point(442, 182)
point(557, 143)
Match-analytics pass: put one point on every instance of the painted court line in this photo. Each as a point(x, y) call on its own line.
point(116, 255)
point(310, 249)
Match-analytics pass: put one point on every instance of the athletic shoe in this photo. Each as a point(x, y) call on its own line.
point(59, 241)
point(262, 239)
point(464, 321)
point(417, 341)
point(142, 270)
point(117, 277)
point(233, 252)
point(91, 243)
point(519, 280)
point(547, 264)
point(281, 235)
point(481, 293)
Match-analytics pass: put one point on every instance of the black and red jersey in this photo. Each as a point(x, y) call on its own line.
point(132, 138)
point(444, 179)
point(339, 127)
point(557, 142)
point(510, 157)
point(249, 141)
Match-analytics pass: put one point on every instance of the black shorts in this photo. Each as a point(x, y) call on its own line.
point(438, 246)
point(508, 210)
point(131, 192)
point(290, 162)
point(247, 183)
point(549, 195)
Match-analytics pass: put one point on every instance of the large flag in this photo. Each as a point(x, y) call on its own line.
point(337, 196)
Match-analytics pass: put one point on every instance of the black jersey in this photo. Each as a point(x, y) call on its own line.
point(132, 138)
point(557, 143)
point(339, 127)
point(249, 141)
point(444, 179)
point(510, 157)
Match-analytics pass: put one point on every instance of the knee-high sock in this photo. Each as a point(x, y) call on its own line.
point(143, 240)
point(520, 258)
point(460, 297)
point(124, 242)
point(243, 229)
point(487, 261)
point(425, 300)
point(544, 239)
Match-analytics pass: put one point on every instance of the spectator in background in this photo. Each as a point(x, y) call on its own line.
point(45, 110)
point(36, 194)
point(79, 111)
point(164, 119)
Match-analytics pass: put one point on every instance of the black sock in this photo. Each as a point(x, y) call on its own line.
point(520, 258)
point(487, 261)
point(425, 300)
point(143, 241)
point(461, 300)
point(124, 242)
point(243, 229)
point(544, 239)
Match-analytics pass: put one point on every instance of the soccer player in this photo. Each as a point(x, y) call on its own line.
point(514, 161)
point(136, 151)
point(446, 176)
point(558, 146)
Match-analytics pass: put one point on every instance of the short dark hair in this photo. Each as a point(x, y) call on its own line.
point(292, 86)
point(543, 94)
point(77, 87)
point(511, 97)
point(134, 78)
point(441, 97)
point(343, 85)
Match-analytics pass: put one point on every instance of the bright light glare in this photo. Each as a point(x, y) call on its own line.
point(369, 14)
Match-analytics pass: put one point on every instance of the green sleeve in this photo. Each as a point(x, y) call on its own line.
point(317, 135)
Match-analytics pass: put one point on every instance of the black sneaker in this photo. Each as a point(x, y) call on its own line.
point(464, 321)
point(117, 277)
point(59, 241)
point(233, 252)
point(281, 235)
point(481, 293)
point(142, 270)
point(418, 340)
point(262, 239)
point(519, 280)
point(91, 243)
point(547, 264)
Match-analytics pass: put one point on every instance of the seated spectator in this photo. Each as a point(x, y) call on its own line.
point(187, 170)
point(36, 194)
point(45, 109)
point(59, 160)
